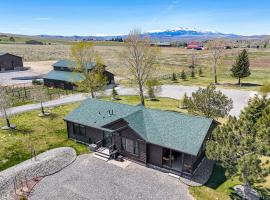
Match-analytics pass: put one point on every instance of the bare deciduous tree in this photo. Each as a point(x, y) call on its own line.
point(5, 103)
point(39, 94)
point(216, 48)
point(140, 58)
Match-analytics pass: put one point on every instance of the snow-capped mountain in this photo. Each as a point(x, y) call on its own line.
point(186, 33)
point(175, 34)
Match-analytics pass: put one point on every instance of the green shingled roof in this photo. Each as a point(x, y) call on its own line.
point(72, 64)
point(72, 77)
point(178, 131)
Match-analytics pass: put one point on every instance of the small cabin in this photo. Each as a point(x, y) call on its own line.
point(9, 62)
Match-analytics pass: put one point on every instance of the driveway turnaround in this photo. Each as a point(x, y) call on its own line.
point(240, 98)
point(91, 178)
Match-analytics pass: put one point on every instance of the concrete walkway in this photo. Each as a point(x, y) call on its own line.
point(240, 98)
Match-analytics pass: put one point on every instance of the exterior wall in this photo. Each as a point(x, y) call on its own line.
point(110, 77)
point(130, 134)
point(10, 62)
point(154, 155)
point(116, 125)
point(92, 135)
point(59, 84)
point(59, 68)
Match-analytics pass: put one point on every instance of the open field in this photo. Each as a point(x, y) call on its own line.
point(171, 60)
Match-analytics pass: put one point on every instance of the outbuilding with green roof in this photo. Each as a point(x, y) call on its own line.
point(169, 140)
point(64, 74)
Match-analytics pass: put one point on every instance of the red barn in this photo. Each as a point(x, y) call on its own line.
point(195, 45)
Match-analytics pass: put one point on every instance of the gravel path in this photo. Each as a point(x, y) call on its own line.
point(62, 101)
point(91, 178)
point(240, 98)
point(45, 164)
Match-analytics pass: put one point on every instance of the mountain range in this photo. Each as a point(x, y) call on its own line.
point(176, 34)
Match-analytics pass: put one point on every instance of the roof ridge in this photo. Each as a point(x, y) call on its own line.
point(156, 109)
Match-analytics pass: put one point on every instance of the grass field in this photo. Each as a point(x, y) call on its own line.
point(43, 133)
point(171, 60)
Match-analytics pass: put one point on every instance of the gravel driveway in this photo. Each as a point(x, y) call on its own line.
point(240, 98)
point(91, 178)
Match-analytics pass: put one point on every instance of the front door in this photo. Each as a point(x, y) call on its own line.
point(107, 139)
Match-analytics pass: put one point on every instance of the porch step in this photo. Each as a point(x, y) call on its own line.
point(100, 157)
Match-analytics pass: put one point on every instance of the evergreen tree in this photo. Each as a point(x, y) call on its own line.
point(153, 88)
point(209, 102)
point(174, 77)
point(192, 75)
point(185, 101)
point(114, 93)
point(200, 72)
point(235, 145)
point(263, 128)
point(241, 67)
point(183, 75)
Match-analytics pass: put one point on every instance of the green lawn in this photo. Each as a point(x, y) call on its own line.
point(45, 133)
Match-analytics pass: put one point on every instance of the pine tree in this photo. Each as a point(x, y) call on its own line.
point(153, 88)
point(209, 102)
point(114, 93)
point(185, 101)
point(241, 67)
point(235, 145)
point(192, 75)
point(174, 77)
point(183, 75)
point(200, 72)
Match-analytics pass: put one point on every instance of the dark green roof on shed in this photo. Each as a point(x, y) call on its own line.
point(71, 64)
point(178, 131)
point(72, 77)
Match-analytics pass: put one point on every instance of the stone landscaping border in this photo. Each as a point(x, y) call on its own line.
point(47, 163)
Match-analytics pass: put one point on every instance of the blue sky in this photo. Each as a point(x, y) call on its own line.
point(81, 17)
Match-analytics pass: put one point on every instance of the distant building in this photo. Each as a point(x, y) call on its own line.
point(161, 44)
point(10, 62)
point(64, 76)
point(195, 45)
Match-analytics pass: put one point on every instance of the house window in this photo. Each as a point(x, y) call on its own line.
point(76, 129)
point(82, 130)
point(79, 129)
point(130, 146)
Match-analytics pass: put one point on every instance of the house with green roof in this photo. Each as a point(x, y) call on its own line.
point(65, 76)
point(171, 141)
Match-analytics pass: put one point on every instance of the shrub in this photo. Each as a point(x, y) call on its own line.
point(183, 75)
point(174, 77)
point(200, 72)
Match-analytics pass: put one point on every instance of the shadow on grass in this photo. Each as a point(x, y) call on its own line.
point(155, 99)
point(217, 178)
point(242, 84)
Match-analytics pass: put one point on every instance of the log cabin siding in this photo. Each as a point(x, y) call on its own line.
point(154, 155)
point(92, 135)
point(10, 62)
